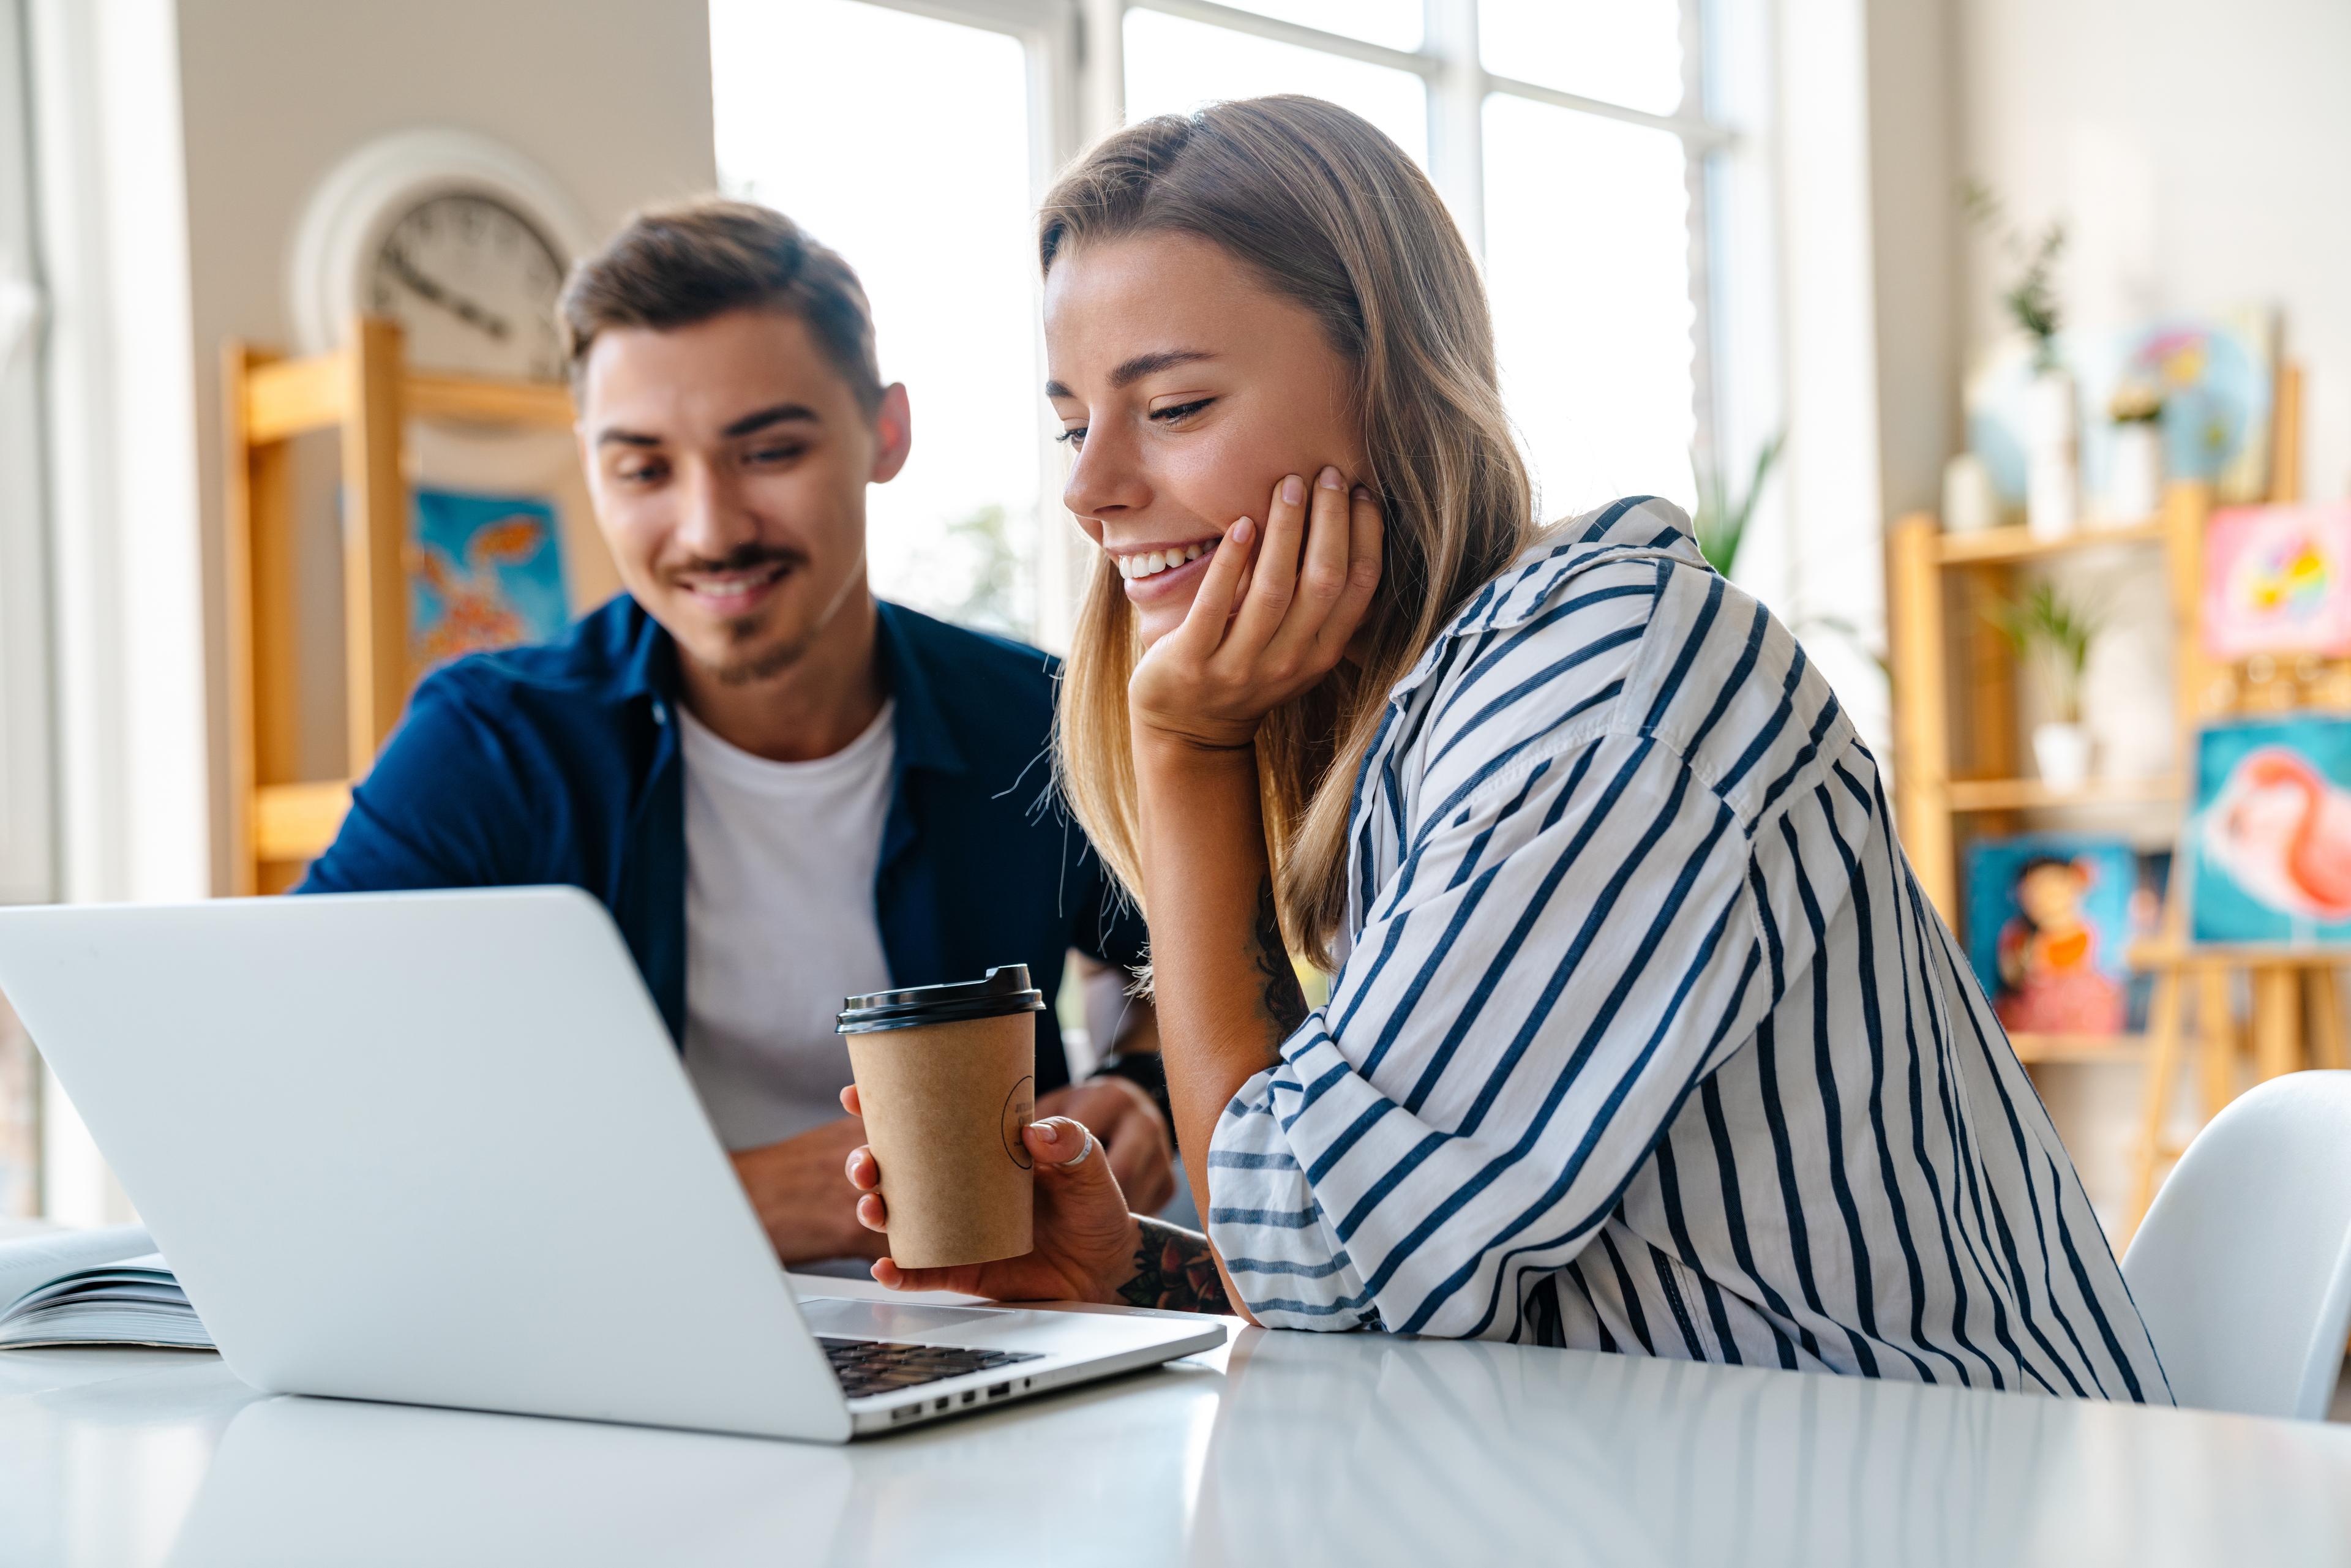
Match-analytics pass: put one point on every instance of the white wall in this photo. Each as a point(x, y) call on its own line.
point(2201, 153)
point(1913, 131)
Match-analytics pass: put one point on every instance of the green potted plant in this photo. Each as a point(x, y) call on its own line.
point(2052, 424)
point(2051, 633)
point(1723, 515)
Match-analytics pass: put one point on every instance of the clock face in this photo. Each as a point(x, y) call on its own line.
point(473, 284)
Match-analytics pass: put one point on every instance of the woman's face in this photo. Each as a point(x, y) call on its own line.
point(1189, 391)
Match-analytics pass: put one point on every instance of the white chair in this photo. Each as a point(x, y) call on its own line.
point(2243, 1269)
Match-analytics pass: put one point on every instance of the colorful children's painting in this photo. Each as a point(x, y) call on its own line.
point(2270, 836)
point(2216, 375)
point(2277, 580)
point(484, 571)
point(2049, 926)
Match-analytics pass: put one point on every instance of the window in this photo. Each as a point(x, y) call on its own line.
point(943, 110)
point(26, 861)
point(1572, 139)
point(1174, 64)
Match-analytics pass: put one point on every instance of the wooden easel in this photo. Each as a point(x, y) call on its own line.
point(278, 820)
point(2285, 1037)
point(2295, 1014)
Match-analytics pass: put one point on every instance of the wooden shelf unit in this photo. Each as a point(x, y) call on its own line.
point(1970, 795)
point(2016, 543)
point(278, 821)
point(2034, 1049)
point(1926, 566)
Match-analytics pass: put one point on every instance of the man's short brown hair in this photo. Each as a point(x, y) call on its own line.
point(673, 266)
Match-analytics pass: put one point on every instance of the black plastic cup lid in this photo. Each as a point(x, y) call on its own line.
point(1005, 991)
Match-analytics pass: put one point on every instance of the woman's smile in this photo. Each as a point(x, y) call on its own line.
point(1161, 571)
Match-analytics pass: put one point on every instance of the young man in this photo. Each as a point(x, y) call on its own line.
point(784, 790)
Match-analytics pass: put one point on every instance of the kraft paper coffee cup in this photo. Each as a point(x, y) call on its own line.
point(948, 1078)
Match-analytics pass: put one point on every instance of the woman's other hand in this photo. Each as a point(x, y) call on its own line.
point(1086, 1240)
point(1266, 623)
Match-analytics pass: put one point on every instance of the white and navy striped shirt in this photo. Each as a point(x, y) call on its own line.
point(1645, 1039)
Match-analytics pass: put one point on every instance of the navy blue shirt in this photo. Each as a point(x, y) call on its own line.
point(559, 764)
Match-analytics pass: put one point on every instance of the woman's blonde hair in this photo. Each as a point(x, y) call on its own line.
point(1330, 213)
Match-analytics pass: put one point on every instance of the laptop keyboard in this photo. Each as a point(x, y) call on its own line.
point(882, 1366)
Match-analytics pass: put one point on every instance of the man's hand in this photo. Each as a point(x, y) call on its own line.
point(1133, 1134)
point(795, 1188)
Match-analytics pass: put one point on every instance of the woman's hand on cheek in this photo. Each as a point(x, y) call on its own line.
point(1268, 622)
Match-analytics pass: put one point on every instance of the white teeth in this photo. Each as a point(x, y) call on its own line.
point(1152, 562)
point(724, 586)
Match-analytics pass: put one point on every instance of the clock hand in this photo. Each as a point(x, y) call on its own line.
point(431, 289)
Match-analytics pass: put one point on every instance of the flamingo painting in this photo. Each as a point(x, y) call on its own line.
point(2282, 831)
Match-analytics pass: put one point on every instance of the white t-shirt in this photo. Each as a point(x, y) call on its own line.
point(779, 927)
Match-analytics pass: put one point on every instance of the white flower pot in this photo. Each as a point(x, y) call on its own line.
point(2134, 473)
point(2052, 466)
point(1970, 504)
point(2061, 753)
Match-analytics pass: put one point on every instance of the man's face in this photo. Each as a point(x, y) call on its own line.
point(728, 461)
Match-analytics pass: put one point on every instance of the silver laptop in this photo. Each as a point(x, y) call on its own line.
point(437, 1148)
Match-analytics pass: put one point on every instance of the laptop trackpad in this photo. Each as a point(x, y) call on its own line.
point(851, 1319)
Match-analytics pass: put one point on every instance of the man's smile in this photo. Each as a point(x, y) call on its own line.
point(734, 590)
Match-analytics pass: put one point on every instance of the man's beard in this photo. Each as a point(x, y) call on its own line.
point(767, 663)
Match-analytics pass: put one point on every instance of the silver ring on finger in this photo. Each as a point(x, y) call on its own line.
point(1084, 1155)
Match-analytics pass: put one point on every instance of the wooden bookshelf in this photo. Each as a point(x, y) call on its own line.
point(1956, 683)
point(366, 392)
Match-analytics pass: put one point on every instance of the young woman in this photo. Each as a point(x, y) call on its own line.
point(1641, 1036)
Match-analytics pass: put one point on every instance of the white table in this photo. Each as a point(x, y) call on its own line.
point(1284, 1448)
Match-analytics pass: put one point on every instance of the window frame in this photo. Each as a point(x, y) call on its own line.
point(28, 862)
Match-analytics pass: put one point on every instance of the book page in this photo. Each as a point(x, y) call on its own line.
point(28, 1264)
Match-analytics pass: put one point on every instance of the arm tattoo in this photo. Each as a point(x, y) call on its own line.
point(1280, 1000)
point(1174, 1271)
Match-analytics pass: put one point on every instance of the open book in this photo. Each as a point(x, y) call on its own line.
point(93, 1287)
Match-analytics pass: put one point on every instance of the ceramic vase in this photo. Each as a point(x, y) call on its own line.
point(2134, 474)
point(2062, 753)
point(2051, 471)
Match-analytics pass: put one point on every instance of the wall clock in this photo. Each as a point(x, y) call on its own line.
point(461, 240)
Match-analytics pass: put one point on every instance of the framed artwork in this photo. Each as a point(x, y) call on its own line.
point(2050, 920)
point(484, 571)
point(2277, 580)
point(2270, 836)
point(2218, 375)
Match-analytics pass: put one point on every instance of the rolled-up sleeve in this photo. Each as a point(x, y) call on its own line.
point(1560, 955)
